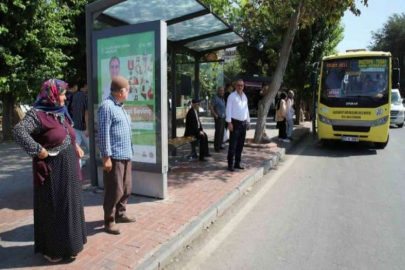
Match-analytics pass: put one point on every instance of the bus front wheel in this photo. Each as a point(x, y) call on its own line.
point(382, 145)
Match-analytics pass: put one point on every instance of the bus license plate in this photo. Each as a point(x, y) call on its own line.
point(350, 139)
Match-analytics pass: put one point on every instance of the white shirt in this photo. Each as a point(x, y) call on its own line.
point(290, 111)
point(237, 108)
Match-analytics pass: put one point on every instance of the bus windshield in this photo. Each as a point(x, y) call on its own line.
point(363, 80)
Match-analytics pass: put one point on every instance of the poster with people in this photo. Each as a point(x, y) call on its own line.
point(132, 56)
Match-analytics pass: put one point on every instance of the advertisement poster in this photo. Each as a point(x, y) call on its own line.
point(132, 56)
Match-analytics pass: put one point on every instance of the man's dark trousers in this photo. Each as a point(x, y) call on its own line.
point(219, 133)
point(236, 142)
point(203, 138)
point(117, 189)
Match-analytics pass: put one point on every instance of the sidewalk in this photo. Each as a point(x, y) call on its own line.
point(198, 193)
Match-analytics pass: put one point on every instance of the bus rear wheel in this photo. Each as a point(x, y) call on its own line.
point(382, 145)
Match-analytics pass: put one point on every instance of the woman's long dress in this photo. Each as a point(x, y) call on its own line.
point(59, 224)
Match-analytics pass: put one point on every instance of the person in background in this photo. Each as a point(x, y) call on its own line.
point(290, 114)
point(228, 90)
point(238, 119)
point(281, 117)
point(114, 140)
point(194, 128)
point(69, 97)
point(46, 135)
point(81, 118)
point(218, 108)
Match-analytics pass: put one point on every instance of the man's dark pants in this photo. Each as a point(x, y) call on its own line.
point(117, 189)
point(236, 142)
point(219, 133)
point(203, 138)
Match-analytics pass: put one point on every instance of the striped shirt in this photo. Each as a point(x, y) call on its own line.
point(114, 130)
point(79, 106)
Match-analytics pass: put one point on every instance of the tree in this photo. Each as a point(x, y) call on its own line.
point(32, 36)
point(313, 42)
point(391, 38)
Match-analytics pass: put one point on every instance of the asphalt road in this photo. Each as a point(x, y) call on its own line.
point(335, 207)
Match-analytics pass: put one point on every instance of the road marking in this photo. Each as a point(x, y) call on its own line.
point(216, 240)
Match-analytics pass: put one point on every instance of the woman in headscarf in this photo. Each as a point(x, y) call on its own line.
point(281, 111)
point(46, 134)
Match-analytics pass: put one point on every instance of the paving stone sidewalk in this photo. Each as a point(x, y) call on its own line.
point(193, 188)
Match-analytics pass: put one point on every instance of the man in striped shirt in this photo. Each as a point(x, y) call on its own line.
point(114, 135)
point(81, 118)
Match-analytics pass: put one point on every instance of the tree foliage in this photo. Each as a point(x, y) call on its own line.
point(391, 38)
point(33, 35)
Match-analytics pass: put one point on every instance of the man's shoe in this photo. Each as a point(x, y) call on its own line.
point(112, 229)
point(240, 167)
point(231, 169)
point(124, 219)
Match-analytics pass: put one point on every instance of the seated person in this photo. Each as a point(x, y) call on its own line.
point(194, 128)
point(369, 86)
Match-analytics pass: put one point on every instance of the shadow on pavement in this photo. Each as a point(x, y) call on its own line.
point(339, 149)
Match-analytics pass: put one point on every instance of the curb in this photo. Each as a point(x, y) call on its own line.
point(195, 228)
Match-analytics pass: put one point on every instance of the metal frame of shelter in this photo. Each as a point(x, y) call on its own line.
point(191, 27)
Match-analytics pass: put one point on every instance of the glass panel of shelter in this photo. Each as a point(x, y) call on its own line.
point(214, 42)
point(139, 11)
point(195, 27)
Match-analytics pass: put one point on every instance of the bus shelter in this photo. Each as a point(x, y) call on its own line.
point(135, 39)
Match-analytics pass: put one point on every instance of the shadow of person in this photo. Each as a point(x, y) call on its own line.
point(94, 227)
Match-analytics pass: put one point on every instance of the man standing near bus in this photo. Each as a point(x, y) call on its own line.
point(238, 119)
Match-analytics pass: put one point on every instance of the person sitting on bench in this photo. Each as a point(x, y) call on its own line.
point(194, 128)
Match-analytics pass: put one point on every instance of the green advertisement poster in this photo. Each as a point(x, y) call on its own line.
point(133, 57)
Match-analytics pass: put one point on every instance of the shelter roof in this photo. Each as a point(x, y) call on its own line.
point(191, 24)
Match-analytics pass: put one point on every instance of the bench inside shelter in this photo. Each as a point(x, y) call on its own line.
point(178, 142)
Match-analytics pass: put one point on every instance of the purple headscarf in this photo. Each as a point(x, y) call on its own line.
point(48, 99)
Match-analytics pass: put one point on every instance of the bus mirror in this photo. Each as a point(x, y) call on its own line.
point(314, 78)
point(395, 78)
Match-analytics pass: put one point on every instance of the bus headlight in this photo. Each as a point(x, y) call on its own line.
point(325, 120)
point(379, 122)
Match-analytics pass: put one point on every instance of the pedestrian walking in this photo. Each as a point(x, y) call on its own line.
point(290, 114)
point(81, 118)
point(218, 111)
point(46, 135)
point(114, 136)
point(238, 119)
point(281, 117)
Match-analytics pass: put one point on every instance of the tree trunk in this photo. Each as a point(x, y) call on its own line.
point(264, 104)
point(8, 107)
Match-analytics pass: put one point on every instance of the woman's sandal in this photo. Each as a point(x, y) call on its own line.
point(52, 260)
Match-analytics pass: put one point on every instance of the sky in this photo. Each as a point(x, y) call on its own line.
point(357, 33)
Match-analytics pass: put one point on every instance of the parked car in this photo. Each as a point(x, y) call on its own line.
point(397, 109)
